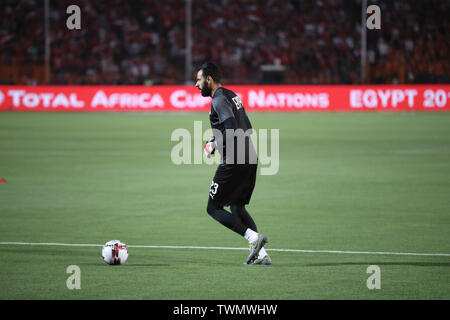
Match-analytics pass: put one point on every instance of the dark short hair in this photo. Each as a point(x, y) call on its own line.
point(210, 69)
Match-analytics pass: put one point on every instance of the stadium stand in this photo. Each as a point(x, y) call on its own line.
point(143, 41)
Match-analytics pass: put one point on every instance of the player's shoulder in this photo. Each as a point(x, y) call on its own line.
point(222, 95)
point(228, 93)
point(219, 97)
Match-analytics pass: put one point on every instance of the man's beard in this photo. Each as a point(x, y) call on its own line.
point(205, 91)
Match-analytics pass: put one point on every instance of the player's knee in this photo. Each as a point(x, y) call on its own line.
point(211, 207)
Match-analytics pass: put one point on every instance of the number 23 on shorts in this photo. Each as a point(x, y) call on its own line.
point(213, 189)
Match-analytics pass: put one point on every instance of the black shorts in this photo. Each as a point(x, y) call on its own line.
point(233, 184)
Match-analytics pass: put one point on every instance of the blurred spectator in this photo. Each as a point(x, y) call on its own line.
point(143, 41)
point(413, 44)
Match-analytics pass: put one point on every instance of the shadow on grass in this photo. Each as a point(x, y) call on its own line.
point(145, 265)
point(125, 265)
point(417, 264)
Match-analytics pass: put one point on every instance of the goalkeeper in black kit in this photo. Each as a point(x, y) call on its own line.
point(235, 177)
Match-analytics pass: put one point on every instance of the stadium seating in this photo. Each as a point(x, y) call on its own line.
point(143, 41)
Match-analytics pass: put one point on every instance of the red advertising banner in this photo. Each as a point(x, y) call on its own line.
point(291, 98)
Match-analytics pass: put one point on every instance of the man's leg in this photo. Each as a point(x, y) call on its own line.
point(234, 222)
point(229, 220)
point(242, 213)
point(247, 220)
point(226, 186)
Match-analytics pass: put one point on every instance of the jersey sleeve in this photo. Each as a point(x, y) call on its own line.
point(223, 108)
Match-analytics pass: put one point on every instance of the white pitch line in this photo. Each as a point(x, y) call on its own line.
point(52, 244)
point(228, 248)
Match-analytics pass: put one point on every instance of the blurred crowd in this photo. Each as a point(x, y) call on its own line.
point(413, 45)
point(143, 41)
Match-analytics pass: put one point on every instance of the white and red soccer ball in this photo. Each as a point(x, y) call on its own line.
point(115, 252)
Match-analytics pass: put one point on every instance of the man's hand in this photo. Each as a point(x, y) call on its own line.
point(210, 147)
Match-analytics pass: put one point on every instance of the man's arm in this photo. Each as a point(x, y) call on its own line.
point(224, 110)
point(213, 143)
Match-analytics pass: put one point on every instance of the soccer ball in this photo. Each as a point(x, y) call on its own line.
point(115, 252)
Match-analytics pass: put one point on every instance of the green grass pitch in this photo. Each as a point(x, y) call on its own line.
point(374, 182)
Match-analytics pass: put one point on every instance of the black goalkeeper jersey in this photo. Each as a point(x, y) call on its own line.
point(226, 104)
